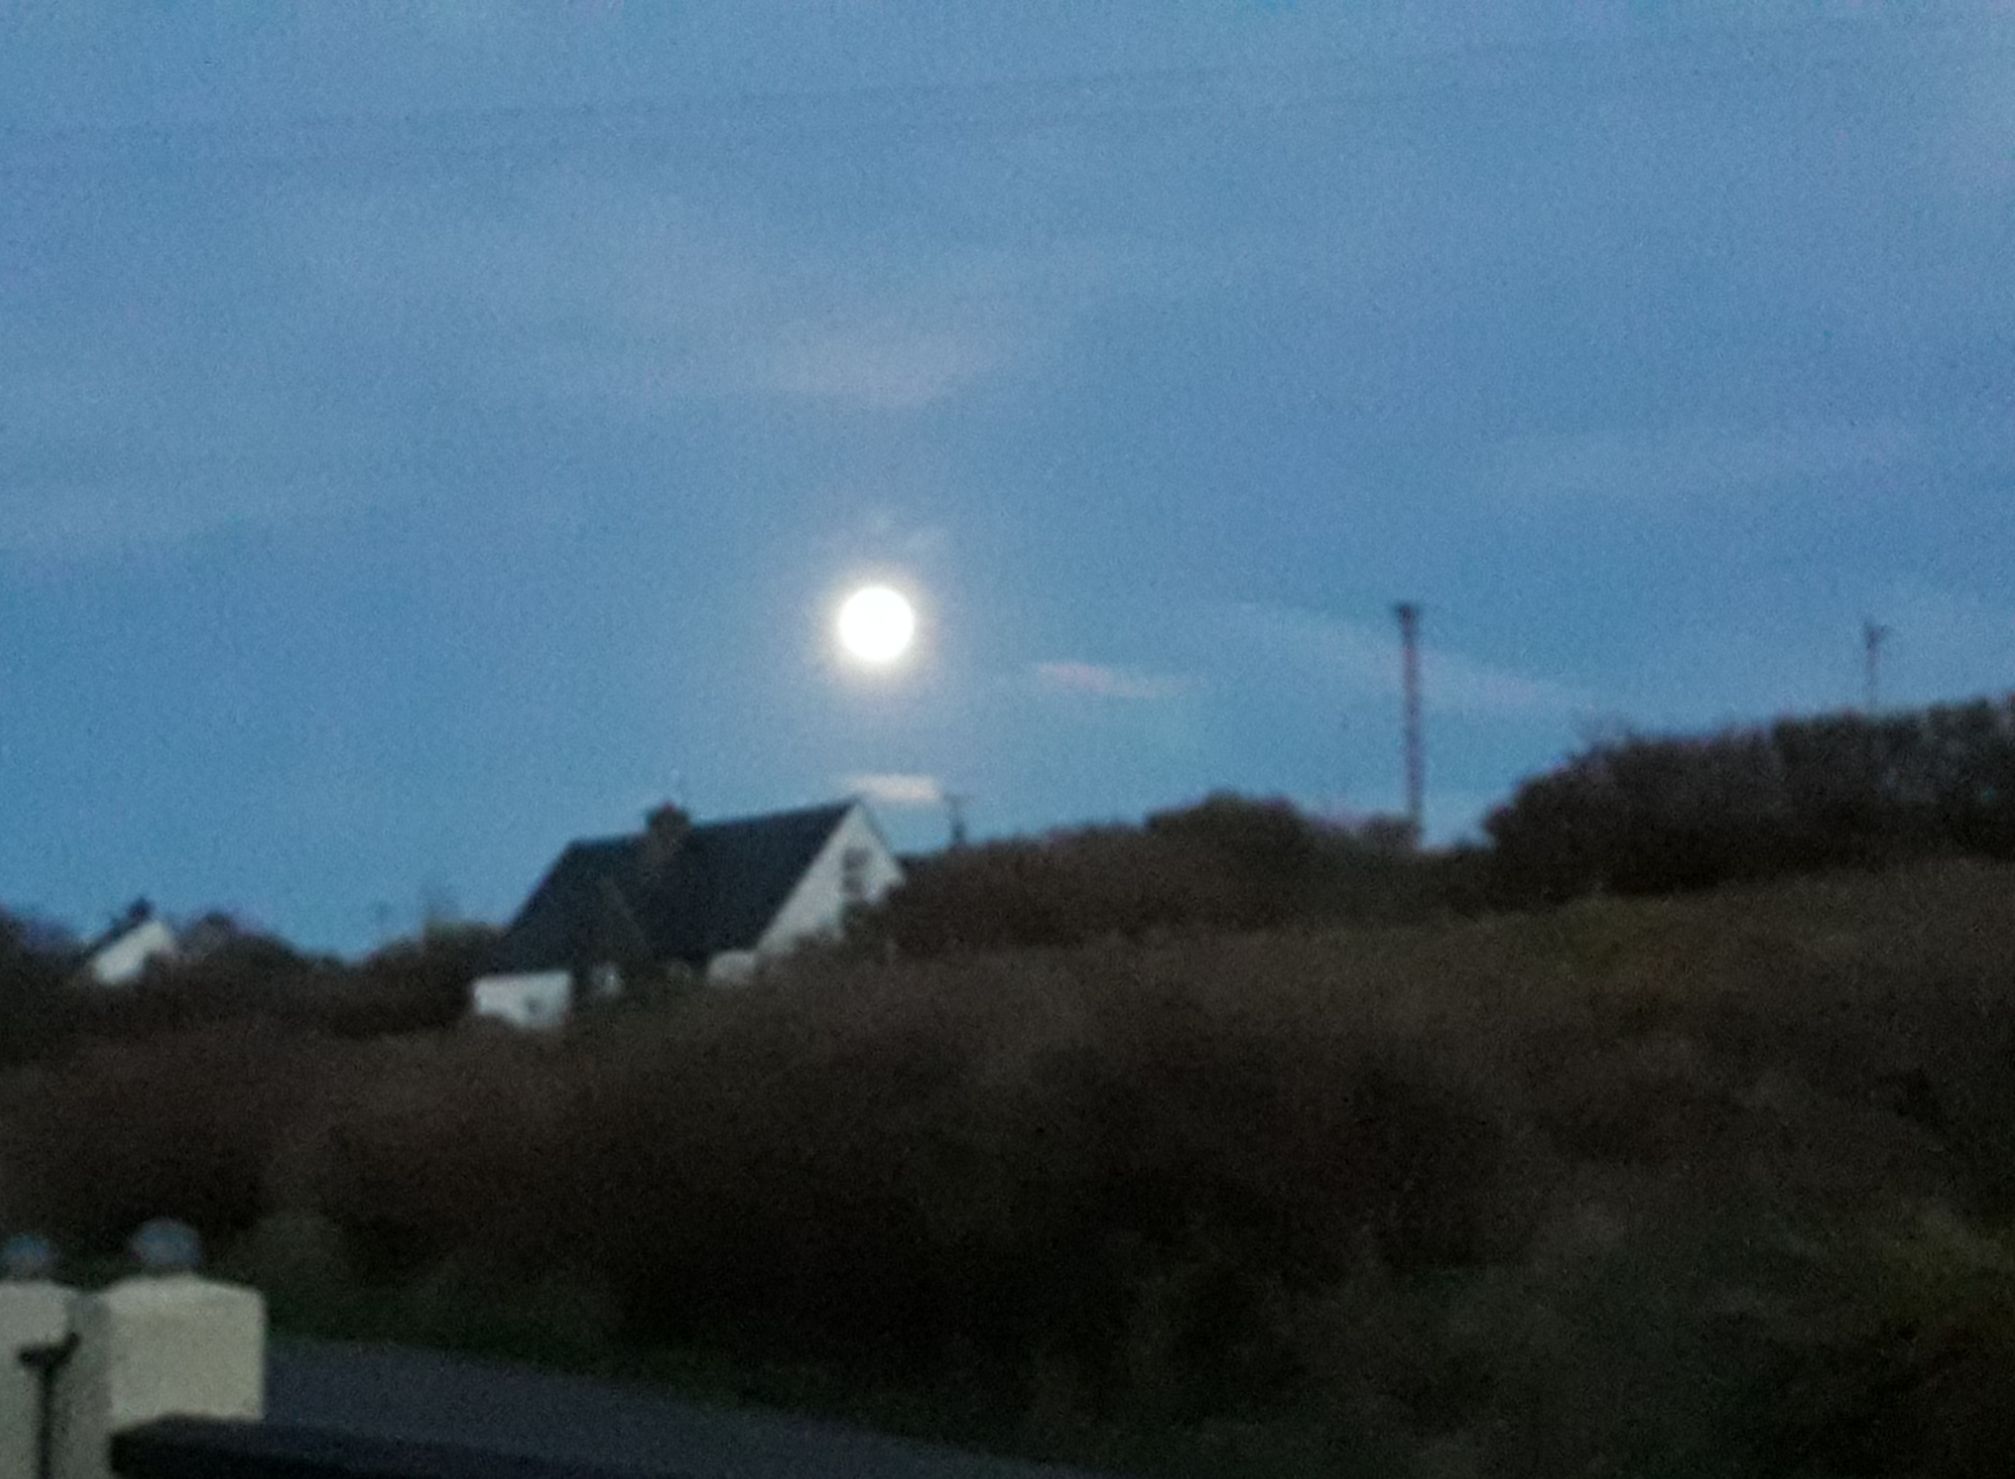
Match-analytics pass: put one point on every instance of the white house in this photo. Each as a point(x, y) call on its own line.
point(136, 940)
point(716, 899)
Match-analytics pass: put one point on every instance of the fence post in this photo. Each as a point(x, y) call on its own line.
point(151, 1347)
point(34, 1319)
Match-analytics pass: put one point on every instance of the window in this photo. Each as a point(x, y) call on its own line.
point(854, 874)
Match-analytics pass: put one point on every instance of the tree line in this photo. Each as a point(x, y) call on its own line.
point(411, 985)
point(1631, 815)
point(1666, 814)
point(1635, 814)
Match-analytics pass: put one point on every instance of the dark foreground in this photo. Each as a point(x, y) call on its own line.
point(423, 1396)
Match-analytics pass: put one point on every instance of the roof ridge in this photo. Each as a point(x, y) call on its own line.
point(787, 813)
point(792, 813)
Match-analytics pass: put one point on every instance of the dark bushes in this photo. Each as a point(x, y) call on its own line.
point(990, 1168)
point(1626, 1187)
point(187, 1125)
point(1658, 815)
point(33, 963)
point(1226, 863)
point(416, 985)
point(992, 1164)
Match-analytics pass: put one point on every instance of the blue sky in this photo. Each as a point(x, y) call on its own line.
point(431, 431)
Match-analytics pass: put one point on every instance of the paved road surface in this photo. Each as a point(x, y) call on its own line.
point(386, 1392)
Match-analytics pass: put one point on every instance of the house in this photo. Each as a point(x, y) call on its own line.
point(135, 940)
point(714, 899)
point(140, 940)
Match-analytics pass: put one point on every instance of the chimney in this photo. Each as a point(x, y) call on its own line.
point(665, 829)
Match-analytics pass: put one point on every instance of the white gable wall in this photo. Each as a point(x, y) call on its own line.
point(732, 967)
point(530, 999)
point(819, 903)
point(122, 961)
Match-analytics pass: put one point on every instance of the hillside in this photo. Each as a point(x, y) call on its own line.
point(1712, 1185)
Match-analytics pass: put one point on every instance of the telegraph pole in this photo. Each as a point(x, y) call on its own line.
point(1415, 739)
point(955, 811)
point(1873, 637)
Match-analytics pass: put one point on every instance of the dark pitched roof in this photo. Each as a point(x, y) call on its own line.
point(619, 898)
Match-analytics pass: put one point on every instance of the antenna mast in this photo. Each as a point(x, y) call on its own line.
point(1408, 613)
point(1873, 637)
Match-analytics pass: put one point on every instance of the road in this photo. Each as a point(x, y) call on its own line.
point(387, 1392)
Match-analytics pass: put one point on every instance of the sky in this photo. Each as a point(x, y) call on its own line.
point(433, 431)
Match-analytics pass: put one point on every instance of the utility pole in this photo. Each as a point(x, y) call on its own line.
point(1873, 637)
point(955, 811)
point(1415, 740)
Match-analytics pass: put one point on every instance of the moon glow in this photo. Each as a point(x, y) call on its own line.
point(877, 625)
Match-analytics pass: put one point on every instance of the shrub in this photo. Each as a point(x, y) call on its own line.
point(416, 985)
point(1650, 814)
point(35, 961)
point(1898, 1357)
point(185, 1126)
point(1227, 863)
point(1613, 1188)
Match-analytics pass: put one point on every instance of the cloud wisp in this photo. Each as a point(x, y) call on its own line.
point(1104, 681)
point(898, 791)
point(1335, 657)
point(1693, 461)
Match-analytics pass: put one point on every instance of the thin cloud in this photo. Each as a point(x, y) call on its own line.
point(882, 366)
point(1338, 657)
point(96, 457)
point(669, 300)
point(898, 790)
point(1098, 680)
point(1688, 461)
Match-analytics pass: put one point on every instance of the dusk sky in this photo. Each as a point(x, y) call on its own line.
point(433, 431)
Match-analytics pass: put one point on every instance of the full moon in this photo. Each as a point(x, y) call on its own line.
point(877, 625)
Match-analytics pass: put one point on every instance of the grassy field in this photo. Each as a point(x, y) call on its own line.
point(1708, 1186)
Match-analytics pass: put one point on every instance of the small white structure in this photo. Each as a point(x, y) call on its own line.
point(716, 900)
point(144, 1348)
point(34, 1317)
point(527, 999)
point(153, 1347)
point(137, 939)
